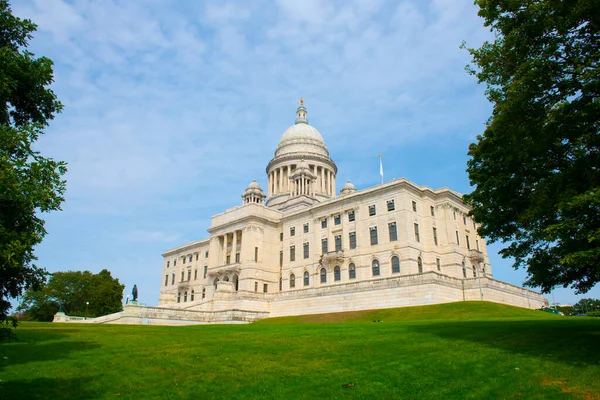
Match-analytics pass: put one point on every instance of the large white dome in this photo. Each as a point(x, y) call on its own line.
point(301, 138)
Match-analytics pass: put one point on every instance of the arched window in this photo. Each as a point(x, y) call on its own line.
point(306, 278)
point(292, 281)
point(337, 274)
point(185, 296)
point(352, 271)
point(474, 271)
point(226, 279)
point(179, 297)
point(395, 265)
point(236, 282)
point(203, 293)
point(375, 267)
point(216, 281)
point(483, 269)
point(323, 275)
point(420, 265)
point(192, 295)
point(464, 270)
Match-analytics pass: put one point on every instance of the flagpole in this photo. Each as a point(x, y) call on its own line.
point(381, 169)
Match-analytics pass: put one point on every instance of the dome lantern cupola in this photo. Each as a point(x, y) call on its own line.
point(253, 194)
point(301, 113)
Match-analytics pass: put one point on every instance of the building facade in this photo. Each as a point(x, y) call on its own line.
point(302, 248)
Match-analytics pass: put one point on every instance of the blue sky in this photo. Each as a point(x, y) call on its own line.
point(173, 107)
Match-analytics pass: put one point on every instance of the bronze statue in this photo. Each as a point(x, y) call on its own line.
point(134, 293)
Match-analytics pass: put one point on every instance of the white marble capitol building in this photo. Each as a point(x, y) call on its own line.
point(303, 248)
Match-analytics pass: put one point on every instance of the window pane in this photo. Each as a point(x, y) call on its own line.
point(372, 210)
point(338, 243)
point(352, 271)
point(337, 219)
point(292, 281)
point(323, 275)
point(352, 240)
point(393, 231)
point(375, 267)
point(373, 232)
point(324, 223)
point(306, 250)
point(390, 205)
point(414, 206)
point(324, 248)
point(417, 237)
point(306, 278)
point(305, 228)
point(395, 265)
point(435, 241)
point(337, 274)
point(420, 265)
point(292, 253)
point(350, 216)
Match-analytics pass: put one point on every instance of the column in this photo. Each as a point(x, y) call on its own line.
point(233, 247)
point(278, 172)
point(224, 250)
point(322, 180)
point(269, 188)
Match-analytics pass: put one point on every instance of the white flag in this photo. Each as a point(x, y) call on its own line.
point(380, 168)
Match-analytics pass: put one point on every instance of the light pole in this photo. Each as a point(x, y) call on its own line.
point(87, 303)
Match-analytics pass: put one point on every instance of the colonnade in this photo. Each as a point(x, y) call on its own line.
point(224, 241)
point(279, 181)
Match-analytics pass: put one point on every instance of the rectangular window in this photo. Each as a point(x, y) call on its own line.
point(172, 279)
point(439, 264)
point(337, 219)
point(197, 255)
point(182, 276)
point(417, 237)
point(205, 271)
point(393, 231)
point(189, 278)
point(206, 254)
point(455, 215)
point(306, 250)
point(373, 233)
point(474, 227)
point(464, 220)
point(457, 239)
point(237, 257)
point(338, 243)
point(293, 231)
point(468, 242)
point(196, 274)
point(281, 237)
point(183, 260)
point(352, 240)
point(292, 253)
point(435, 241)
point(324, 248)
point(432, 211)
point(477, 244)
point(351, 216)
point(414, 205)
point(281, 258)
point(175, 262)
point(324, 223)
point(190, 258)
point(228, 259)
point(255, 286)
point(305, 228)
point(265, 288)
point(390, 205)
point(168, 264)
point(372, 210)
point(166, 280)
point(256, 254)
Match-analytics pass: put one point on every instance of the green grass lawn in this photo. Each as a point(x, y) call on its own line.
point(454, 351)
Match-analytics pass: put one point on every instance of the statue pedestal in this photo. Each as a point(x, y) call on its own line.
point(133, 303)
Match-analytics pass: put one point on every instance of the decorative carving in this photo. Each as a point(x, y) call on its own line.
point(332, 258)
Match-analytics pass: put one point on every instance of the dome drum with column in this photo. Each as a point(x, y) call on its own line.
point(301, 147)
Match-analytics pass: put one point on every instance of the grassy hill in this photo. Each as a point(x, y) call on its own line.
point(452, 351)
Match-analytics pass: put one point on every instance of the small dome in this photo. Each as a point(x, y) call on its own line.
point(348, 188)
point(254, 185)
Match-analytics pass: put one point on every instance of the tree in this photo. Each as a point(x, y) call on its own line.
point(585, 306)
point(29, 183)
point(73, 289)
point(536, 168)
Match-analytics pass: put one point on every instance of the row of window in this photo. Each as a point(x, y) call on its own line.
point(189, 276)
point(189, 258)
point(192, 295)
point(375, 270)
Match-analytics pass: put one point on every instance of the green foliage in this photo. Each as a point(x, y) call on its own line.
point(73, 289)
point(566, 310)
point(536, 168)
point(29, 183)
point(585, 306)
point(593, 314)
point(475, 355)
